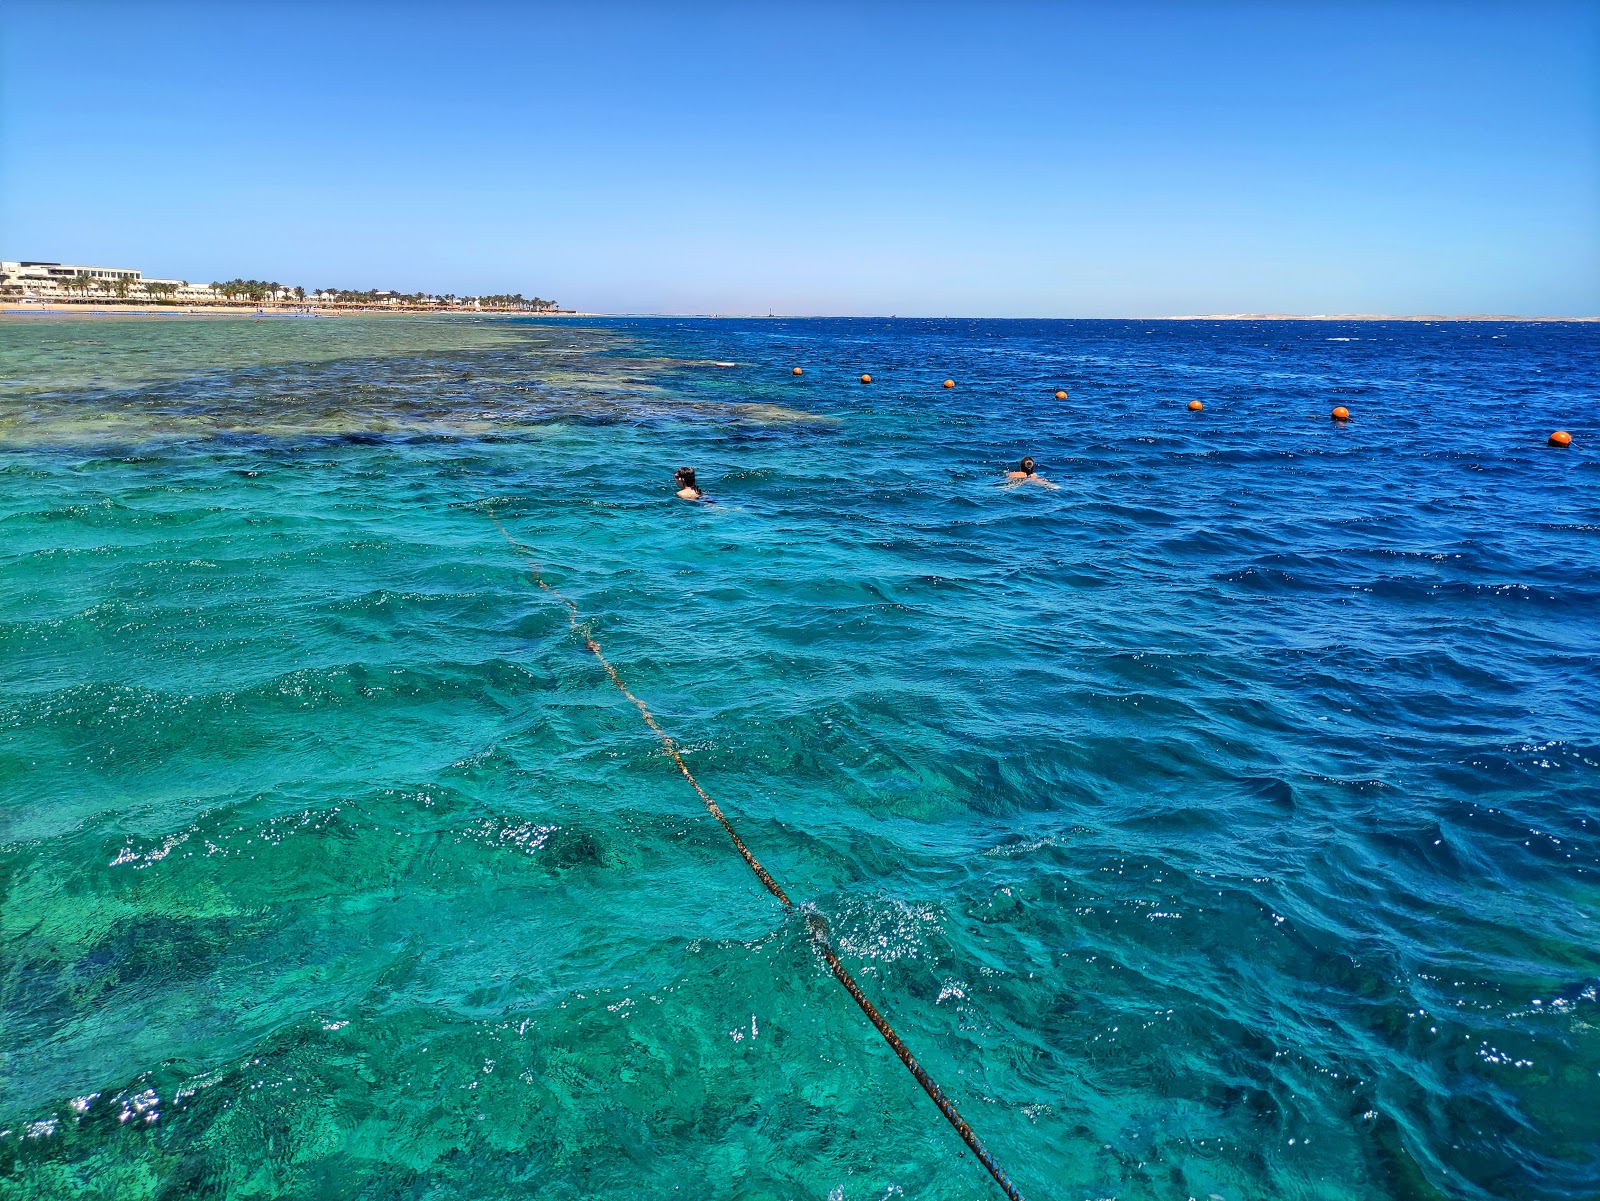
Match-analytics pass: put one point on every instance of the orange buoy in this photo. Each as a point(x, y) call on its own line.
point(866, 379)
point(949, 383)
point(1061, 395)
point(1195, 406)
point(797, 371)
point(1340, 414)
point(1561, 438)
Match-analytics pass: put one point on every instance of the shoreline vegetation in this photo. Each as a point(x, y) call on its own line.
point(144, 308)
point(321, 304)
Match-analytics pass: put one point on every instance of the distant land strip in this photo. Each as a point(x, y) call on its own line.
point(1362, 317)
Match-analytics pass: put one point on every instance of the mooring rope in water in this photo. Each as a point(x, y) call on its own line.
point(816, 924)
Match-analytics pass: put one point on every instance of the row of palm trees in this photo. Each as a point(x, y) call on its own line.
point(84, 284)
point(120, 288)
point(517, 301)
point(372, 297)
point(257, 290)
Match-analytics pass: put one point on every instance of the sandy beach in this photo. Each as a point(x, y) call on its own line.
point(17, 310)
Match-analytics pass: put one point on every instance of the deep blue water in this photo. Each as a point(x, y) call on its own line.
point(1221, 824)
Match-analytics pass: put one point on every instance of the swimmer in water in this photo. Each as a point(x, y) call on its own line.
point(1025, 474)
point(687, 488)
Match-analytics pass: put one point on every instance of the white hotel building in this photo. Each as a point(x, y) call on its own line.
point(58, 281)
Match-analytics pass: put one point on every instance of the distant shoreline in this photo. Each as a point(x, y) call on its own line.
point(244, 312)
point(1360, 317)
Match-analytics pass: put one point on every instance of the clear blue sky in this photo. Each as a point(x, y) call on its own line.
point(980, 159)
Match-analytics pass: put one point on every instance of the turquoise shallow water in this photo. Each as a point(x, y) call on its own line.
point(1220, 825)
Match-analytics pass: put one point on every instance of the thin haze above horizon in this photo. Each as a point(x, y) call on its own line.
point(977, 160)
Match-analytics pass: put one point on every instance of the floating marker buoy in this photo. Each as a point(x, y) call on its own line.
point(1195, 406)
point(1340, 414)
point(866, 379)
point(797, 371)
point(1561, 438)
point(1061, 395)
point(949, 383)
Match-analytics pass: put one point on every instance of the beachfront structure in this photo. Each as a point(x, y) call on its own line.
point(54, 281)
point(38, 281)
point(59, 273)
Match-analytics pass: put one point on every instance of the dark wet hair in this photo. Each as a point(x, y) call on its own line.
point(1026, 466)
point(685, 476)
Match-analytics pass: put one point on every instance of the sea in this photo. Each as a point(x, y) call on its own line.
point(1221, 823)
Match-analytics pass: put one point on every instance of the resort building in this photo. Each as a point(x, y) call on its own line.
point(59, 272)
point(53, 281)
point(38, 282)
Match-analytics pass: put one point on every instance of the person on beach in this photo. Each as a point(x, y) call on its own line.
point(687, 488)
point(1026, 474)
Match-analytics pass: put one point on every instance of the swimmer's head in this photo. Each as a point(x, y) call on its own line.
point(1026, 466)
point(684, 477)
